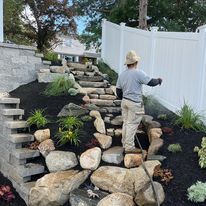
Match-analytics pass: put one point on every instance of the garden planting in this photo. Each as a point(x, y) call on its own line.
point(68, 148)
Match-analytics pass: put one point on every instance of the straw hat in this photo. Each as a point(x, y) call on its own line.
point(132, 57)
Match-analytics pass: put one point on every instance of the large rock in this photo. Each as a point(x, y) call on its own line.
point(114, 179)
point(53, 189)
point(46, 147)
point(154, 133)
point(102, 102)
point(105, 141)
point(72, 109)
point(140, 177)
point(92, 84)
point(155, 145)
point(60, 161)
point(107, 97)
point(132, 160)
point(91, 158)
point(146, 196)
point(117, 199)
point(92, 90)
point(117, 120)
point(99, 122)
point(118, 132)
point(50, 77)
point(113, 155)
point(80, 197)
point(78, 66)
point(57, 69)
point(42, 134)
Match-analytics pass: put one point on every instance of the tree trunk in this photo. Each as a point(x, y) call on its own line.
point(143, 14)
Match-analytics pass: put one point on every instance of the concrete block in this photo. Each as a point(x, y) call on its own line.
point(16, 124)
point(25, 153)
point(12, 112)
point(21, 138)
point(30, 169)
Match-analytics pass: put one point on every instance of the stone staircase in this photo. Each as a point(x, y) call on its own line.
point(97, 89)
point(14, 159)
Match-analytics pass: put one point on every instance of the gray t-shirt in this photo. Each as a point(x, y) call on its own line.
point(131, 81)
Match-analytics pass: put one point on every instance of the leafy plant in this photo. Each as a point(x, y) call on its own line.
point(189, 119)
point(86, 118)
point(50, 56)
point(69, 130)
point(6, 193)
point(202, 153)
point(37, 118)
point(174, 148)
point(162, 116)
point(59, 86)
point(197, 192)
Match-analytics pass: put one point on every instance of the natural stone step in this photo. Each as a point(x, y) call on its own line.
point(21, 138)
point(89, 78)
point(46, 62)
point(101, 102)
point(8, 100)
point(25, 153)
point(93, 84)
point(16, 124)
point(39, 55)
point(111, 109)
point(10, 112)
point(92, 90)
point(30, 169)
point(107, 97)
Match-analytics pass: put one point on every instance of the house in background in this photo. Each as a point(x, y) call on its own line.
point(73, 50)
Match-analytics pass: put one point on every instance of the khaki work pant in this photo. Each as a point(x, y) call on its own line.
point(132, 114)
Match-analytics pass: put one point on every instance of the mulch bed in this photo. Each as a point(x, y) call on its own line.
point(184, 165)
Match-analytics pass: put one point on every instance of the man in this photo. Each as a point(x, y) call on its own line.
point(129, 89)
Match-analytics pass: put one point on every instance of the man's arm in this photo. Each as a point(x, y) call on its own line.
point(119, 93)
point(155, 82)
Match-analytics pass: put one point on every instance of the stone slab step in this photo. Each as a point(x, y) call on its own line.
point(102, 102)
point(89, 78)
point(93, 84)
point(16, 124)
point(110, 110)
point(8, 100)
point(21, 138)
point(12, 112)
point(25, 153)
point(107, 97)
point(30, 169)
point(46, 62)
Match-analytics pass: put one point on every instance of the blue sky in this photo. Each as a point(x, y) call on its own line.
point(81, 22)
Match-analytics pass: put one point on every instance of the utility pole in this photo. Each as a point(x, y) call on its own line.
point(143, 14)
point(1, 22)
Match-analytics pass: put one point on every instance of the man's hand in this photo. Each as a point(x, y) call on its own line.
point(160, 81)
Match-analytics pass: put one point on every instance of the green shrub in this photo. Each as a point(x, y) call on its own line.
point(162, 116)
point(187, 118)
point(105, 69)
point(51, 56)
point(202, 153)
point(197, 192)
point(69, 130)
point(59, 86)
point(86, 118)
point(174, 148)
point(37, 118)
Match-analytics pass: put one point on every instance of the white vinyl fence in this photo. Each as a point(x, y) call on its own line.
point(177, 57)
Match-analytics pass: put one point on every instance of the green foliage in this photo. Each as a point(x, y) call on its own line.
point(197, 192)
point(51, 56)
point(59, 86)
point(105, 69)
point(162, 116)
point(72, 92)
point(69, 130)
point(202, 153)
point(187, 118)
point(86, 118)
point(174, 148)
point(37, 118)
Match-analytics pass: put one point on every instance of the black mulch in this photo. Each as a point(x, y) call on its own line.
point(184, 165)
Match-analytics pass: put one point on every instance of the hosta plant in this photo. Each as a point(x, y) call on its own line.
point(37, 118)
point(69, 130)
point(197, 192)
point(174, 148)
point(202, 153)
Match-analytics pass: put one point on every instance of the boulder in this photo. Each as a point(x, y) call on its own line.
point(46, 147)
point(105, 141)
point(154, 133)
point(91, 158)
point(140, 177)
point(86, 99)
point(114, 179)
point(146, 196)
point(117, 120)
point(132, 160)
point(99, 122)
point(60, 161)
point(113, 88)
point(53, 189)
point(42, 134)
point(44, 70)
point(109, 91)
point(155, 145)
point(113, 155)
point(102, 102)
point(72, 109)
point(107, 97)
point(92, 90)
point(117, 199)
point(110, 131)
point(57, 69)
point(80, 197)
point(118, 132)
point(50, 77)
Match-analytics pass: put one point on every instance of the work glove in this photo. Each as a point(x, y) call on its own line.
point(160, 81)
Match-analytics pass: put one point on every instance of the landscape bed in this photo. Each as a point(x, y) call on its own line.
point(184, 165)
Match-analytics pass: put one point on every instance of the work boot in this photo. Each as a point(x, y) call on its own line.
point(132, 150)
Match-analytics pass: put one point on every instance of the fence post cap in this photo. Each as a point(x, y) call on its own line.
point(154, 28)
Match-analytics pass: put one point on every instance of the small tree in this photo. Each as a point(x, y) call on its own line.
point(43, 19)
point(143, 4)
